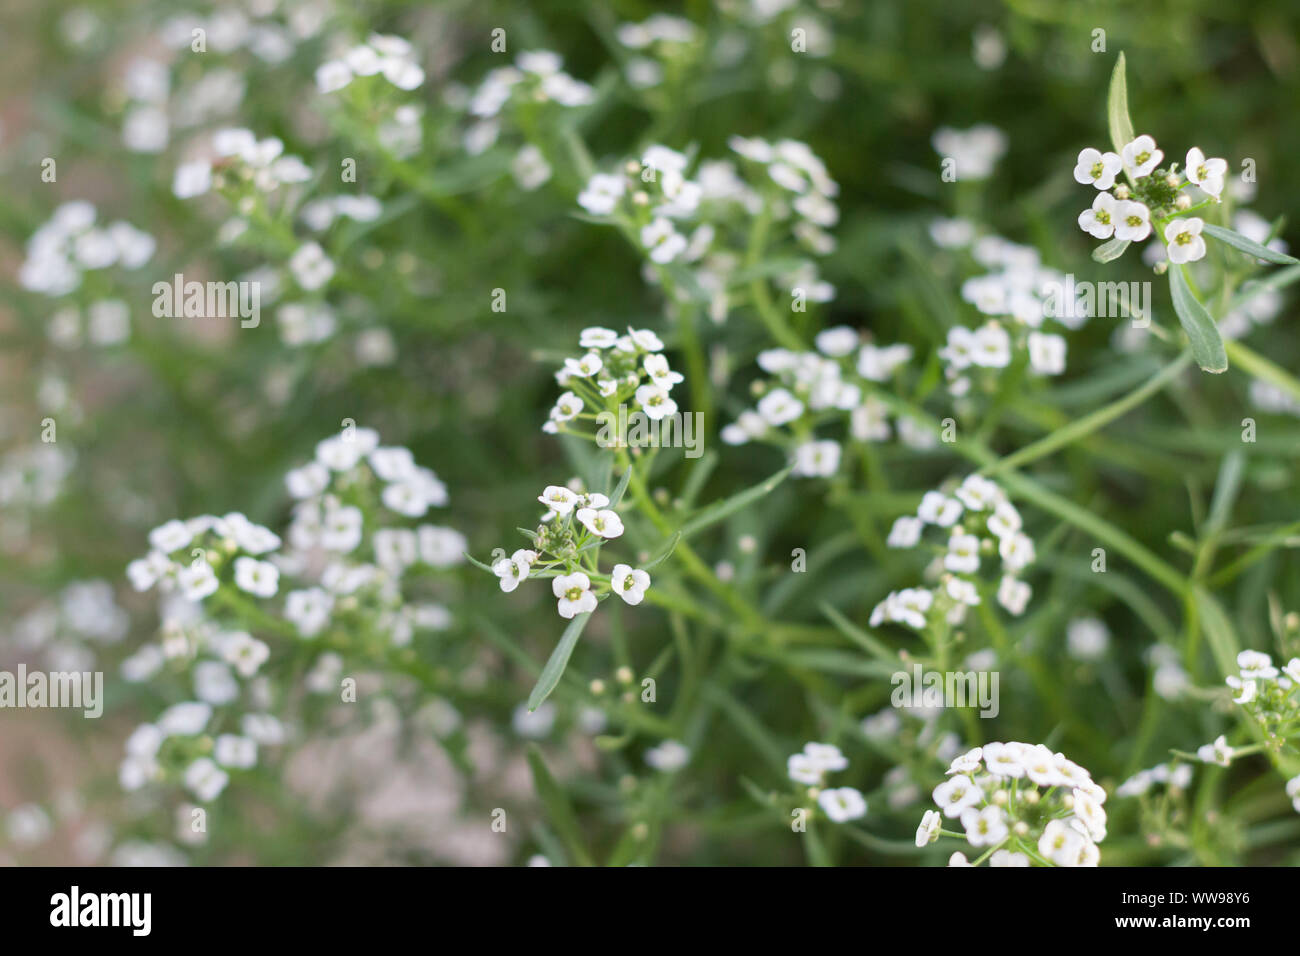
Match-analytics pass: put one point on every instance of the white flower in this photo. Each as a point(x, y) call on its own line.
point(1099, 221)
point(310, 266)
point(597, 337)
point(1208, 174)
point(629, 583)
point(977, 493)
point(655, 401)
point(662, 241)
point(963, 555)
point(1132, 220)
point(778, 407)
point(232, 750)
point(1218, 752)
point(574, 593)
point(842, 804)
point(183, 720)
point(1005, 760)
point(602, 194)
point(928, 830)
point(667, 757)
point(514, 569)
point(197, 580)
point(1060, 843)
point(968, 762)
point(986, 827)
point(959, 859)
point(308, 610)
point(905, 533)
point(826, 756)
point(342, 528)
point(1005, 520)
point(205, 779)
point(1008, 858)
point(244, 652)
point(1040, 766)
point(332, 75)
point(1293, 791)
point(1184, 240)
point(1017, 551)
point(656, 366)
point(804, 769)
point(1046, 353)
point(645, 339)
point(992, 346)
point(170, 537)
point(878, 364)
point(192, 179)
point(261, 578)
point(586, 366)
point(1089, 812)
point(1256, 664)
point(963, 592)
point(559, 499)
point(1087, 638)
point(1141, 156)
point(603, 522)
point(836, 342)
point(956, 794)
point(1097, 168)
point(817, 459)
point(937, 508)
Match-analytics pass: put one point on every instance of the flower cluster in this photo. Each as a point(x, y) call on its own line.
point(979, 522)
point(613, 370)
point(70, 244)
point(1175, 777)
point(653, 197)
point(1153, 198)
point(1020, 805)
point(1022, 299)
point(388, 56)
point(810, 767)
point(808, 389)
point(537, 77)
point(566, 548)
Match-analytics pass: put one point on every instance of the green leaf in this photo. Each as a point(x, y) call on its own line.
point(867, 642)
point(1108, 251)
point(616, 495)
point(1251, 248)
point(558, 661)
point(1121, 126)
point(1207, 345)
point(478, 564)
point(663, 554)
point(729, 506)
point(558, 809)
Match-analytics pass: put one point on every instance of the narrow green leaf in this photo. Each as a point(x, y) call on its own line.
point(616, 495)
point(664, 553)
point(871, 645)
point(1121, 126)
point(1202, 333)
point(558, 661)
point(1248, 246)
point(558, 809)
point(729, 506)
point(1109, 251)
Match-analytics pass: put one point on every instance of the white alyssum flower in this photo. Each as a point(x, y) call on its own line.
point(1132, 220)
point(629, 583)
point(1183, 239)
point(1099, 221)
point(1141, 156)
point(602, 522)
point(574, 594)
point(1097, 168)
point(1206, 174)
point(260, 578)
point(841, 804)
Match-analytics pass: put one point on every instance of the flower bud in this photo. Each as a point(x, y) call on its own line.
point(1121, 191)
point(1184, 201)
